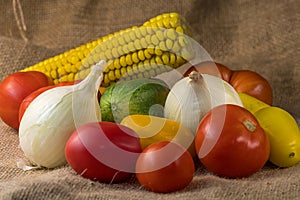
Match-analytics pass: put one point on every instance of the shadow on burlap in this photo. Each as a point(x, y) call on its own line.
point(241, 34)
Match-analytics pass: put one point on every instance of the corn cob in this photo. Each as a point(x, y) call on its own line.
point(160, 44)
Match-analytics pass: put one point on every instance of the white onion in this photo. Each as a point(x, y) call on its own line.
point(192, 97)
point(53, 116)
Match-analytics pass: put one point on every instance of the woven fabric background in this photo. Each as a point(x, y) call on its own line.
point(260, 35)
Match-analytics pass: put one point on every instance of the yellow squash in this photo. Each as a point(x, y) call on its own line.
point(283, 132)
point(252, 104)
point(152, 129)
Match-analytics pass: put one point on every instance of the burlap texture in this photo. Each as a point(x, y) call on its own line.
point(260, 35)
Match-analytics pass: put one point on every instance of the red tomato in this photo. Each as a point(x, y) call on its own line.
point(25, 103)
point(165, 167)
point(253, 84)
point(103, 151)
point(13, 89)
point(231, 143)
point(211, 68)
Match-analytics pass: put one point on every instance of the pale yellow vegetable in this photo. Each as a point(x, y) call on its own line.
point(153, 129)
point(284, 136)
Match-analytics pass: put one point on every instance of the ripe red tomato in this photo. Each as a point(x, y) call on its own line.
point(253, 84)
point(165, 167)
point(28, 99)
point(230, 142)
point(13, 89)
point(103, 151)
point(211, 68)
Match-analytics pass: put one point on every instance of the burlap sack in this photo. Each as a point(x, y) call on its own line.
point(259, 35)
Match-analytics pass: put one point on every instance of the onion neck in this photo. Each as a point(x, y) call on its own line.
point(195, 76)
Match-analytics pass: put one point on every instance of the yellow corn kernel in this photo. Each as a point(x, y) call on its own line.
point(73, 59)
point(147, 64)
point(76, 68)
point(169, 44)
point(53, 74)
point(125, 49)
point(160, 35)
point(128, 59)
point(115, 52)
point(118, 74)
point(129, 71)
point(179, 29)
point(176, 47)
point(123, 71)
point(81, 74)
point(106, 80)
point(135, 57)
point(117, 64)
point(115, 43)
point(158, 51)
point(172, 59)
point(148, 39)
point(147, 54)
point(166, 22)
point(141, 55)
point(121, 40)
point(137, 44)
point(158, 60)
point(165, 58)
point(141, 67)
point(56, 81)
point(47, 66)
point(162, 46)
point(63, 78)
point(68, 67)
point(135, 68)
point(154, 40)
point(70, 77)
point(143, 43)
point(171, 34)
point(61, 71)
point(120, 50)
point(131, 47)
point(123, 61)
point(111, 75)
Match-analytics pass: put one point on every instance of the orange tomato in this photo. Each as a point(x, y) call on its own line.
point(253, 84)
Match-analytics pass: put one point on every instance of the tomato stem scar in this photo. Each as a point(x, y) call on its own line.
point(249, 125)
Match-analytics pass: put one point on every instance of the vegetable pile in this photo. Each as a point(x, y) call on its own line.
point(124, 119)
point(215, 116)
